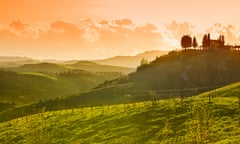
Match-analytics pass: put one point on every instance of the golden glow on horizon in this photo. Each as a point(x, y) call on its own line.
point(70, 29)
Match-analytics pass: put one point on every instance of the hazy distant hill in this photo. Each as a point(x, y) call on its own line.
point(13, 59)
point(39, 67)
point(6, 61)
point(176, 74)
point(122, 61)
point(80, 65)
point(131, 61)
point(94, 67)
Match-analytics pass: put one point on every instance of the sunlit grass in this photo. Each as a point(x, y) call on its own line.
point(38, 74)
point(191, 120)
point(129, 123)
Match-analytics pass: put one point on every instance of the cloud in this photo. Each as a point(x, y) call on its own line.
point(65, 30)
point(177, 30)
point(174, 31)
point(20, 30)
point(5, 34)
point(103, 22)
point(84, 39)
point(130, 39)
point(18, 25)
point(123, 22)
point(91, 35)
point(230, 32)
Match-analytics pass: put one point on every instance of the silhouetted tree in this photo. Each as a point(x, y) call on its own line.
point(204, 42)
point(186, 41)
point(194, 43)
point(208, 39)
point(221, 39)
point(144, 61)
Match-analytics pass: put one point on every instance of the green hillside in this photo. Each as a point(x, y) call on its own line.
point(187, 69)
point(39, 67)
point(30, 83)
point(181, 74)
point(29, 87)
point(58, 68)
point(131, 61)
point(211, 117)
point(94, 67)
point(184, 69)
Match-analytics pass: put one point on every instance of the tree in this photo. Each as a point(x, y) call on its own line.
point(221, 39)
point(194, 43)
point(204, 42)
point(144, 62)
point(208, 40)
point(186, 41)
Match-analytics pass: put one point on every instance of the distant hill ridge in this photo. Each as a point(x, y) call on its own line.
point(10, 59)
point(123, 61)
point(94, 67)
point(131, 61)
point(78, 65)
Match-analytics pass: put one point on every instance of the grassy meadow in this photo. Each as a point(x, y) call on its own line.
point(211, 117)
point(185, 97)
point(29, 87)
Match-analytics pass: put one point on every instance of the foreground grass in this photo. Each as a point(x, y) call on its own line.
point(211, 117)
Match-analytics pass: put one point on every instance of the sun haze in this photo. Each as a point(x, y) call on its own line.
point(92, 29)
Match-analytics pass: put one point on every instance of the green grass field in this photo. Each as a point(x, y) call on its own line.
point(31, 87)
point(211, 117)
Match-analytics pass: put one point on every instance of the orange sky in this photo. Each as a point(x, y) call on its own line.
point(71, 29)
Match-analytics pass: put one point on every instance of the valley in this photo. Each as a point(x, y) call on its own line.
point(187, 96)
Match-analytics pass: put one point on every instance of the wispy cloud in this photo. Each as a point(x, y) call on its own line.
point(82, 39)
point(87, 39)
point(174, 31)
point(231, 32)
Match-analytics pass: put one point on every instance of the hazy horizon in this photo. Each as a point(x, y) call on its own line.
point(72, 59)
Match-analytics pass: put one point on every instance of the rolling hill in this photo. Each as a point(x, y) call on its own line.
point(39, 67)
point(188, 69)
point(6, 61)
point(131, 61)
point(94, 67)
point(119, 62)
point(31, 83)
point(183, 74)
point(191, 120)
point(58, 68)
point(29, 87)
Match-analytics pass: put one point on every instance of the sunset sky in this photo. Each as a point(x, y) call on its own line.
point(95, 29)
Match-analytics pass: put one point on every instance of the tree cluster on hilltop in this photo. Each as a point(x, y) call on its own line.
point(187, 41)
